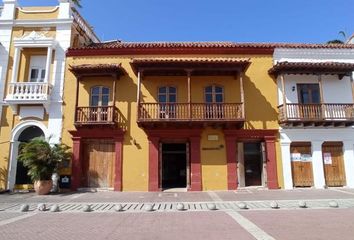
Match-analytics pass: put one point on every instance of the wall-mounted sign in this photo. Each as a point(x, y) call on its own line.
point(213, 138)
point(327, 158)
point(296, 157)
point(306, 157)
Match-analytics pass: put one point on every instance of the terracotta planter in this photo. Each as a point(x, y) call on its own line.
point(43, 187)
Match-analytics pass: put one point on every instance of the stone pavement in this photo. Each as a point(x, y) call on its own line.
point(160, 216)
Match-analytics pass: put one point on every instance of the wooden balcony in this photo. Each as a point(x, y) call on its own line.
point(104, 116)
point(333, 114)
point(155, 114)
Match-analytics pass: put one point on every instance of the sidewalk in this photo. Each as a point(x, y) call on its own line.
point(155, 197)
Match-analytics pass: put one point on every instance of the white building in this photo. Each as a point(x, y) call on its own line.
point(315, 96)
point(33, 45)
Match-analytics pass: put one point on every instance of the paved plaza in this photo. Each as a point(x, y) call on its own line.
point(242, 214)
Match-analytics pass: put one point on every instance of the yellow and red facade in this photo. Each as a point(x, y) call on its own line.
point(190, 67)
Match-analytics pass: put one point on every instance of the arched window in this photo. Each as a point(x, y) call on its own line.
point(167, 95)
point(214, 94)
point(99, 96)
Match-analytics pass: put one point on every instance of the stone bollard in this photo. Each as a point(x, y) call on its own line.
point(86, 208)
point(180, 207)
point(24, 208)
point(274, 205)
point(242, 205)
point(55, 208)
point(333, 204)
point(302, 204)
point(149, 207)
point(41, 207)
point(211, 206)
point(118, 208)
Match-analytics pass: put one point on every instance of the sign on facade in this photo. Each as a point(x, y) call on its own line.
point(327, 158)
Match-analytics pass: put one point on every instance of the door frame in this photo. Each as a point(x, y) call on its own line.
point(263, 163)
point(188, 185)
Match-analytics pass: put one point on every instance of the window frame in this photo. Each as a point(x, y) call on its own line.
point(300, 88)
point(167, 94)
point(100, 96)
point(213, 93)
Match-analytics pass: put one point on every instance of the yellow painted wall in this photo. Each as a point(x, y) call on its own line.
point(213, 157)
point(261, 113)
point(36, 13)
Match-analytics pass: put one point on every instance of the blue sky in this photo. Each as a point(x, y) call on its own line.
point(311, 21)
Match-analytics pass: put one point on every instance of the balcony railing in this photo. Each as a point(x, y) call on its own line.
point(174, 112)
point(30, 92)
point(333, 112)
point(96, 115)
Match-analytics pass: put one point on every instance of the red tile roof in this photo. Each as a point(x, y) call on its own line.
point(120, 44)
point(97, 69)
point(312, 68)
point(121, 48)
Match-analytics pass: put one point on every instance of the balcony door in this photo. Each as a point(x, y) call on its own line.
point(37, 69)
point(309, 98)
point(167, 97)
point(99, 104)
point(214, 98)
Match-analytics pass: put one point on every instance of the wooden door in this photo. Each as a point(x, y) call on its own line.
point(99, 158)
point(333, 163)
point(301, 169)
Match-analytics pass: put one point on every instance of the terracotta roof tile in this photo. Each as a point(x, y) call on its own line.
point(98, 69)
point(130, 45)
point(312, 67)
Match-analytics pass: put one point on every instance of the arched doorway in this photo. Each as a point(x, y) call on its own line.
point(23, 132)
point(26, 135)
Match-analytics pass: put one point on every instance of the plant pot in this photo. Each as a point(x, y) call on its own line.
point(43, 187)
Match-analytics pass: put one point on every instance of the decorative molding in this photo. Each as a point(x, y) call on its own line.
point(37, 22)
point(35, 39)
point(38, 11)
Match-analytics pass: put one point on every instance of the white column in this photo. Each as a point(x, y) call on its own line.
point(286, 163)
point(9, 9)
point(349, 162)
point(15, 65)
point(65, 9)
point(11, 180)
point(48, 63)
point(317, 165)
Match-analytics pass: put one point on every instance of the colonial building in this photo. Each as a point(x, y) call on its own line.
point(315, 85)
point(188, 115)
point(152, 116)
point(33, 42)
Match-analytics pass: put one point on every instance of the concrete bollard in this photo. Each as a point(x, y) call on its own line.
point(242, 205)
point(333, 204)
point(149, 207)
point(24, 208)
point(211, 206)
point(118, 208)
point(180, 207)
point(41, 207)
point(55, 208)
point(274, 205)
point(302, 204)
point(86, 208)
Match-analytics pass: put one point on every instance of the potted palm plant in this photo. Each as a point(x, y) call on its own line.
point(42, 160)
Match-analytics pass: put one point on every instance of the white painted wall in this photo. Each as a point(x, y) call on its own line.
point(317, 137)
point(334, 89)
